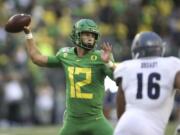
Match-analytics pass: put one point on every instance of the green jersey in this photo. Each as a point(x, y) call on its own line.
point(84, 81)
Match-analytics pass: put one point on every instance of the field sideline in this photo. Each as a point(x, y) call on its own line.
point(53, 130)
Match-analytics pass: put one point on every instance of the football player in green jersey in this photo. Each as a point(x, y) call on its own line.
point(85, 69)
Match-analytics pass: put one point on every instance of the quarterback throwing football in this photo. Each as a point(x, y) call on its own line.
point(85, 70)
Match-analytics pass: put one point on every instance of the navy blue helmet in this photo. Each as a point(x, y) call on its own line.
point(147, 44)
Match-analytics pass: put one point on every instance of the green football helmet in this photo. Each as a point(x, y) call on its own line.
point(84, 25)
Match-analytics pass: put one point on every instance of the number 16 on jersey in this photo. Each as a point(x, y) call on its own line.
point(153, 86)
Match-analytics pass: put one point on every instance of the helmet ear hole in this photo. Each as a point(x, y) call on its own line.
point(96, 36)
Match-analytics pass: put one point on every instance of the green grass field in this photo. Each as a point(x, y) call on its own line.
point(54, 130)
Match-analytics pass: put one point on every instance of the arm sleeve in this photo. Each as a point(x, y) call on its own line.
point(53, 61)
point(108, 70)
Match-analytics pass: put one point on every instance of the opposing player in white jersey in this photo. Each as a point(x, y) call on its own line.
point(147, 86)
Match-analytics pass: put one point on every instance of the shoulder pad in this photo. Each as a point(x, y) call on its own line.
point(63, 50)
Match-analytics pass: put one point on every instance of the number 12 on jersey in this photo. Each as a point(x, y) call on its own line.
point(75, 87)
point(153, 87)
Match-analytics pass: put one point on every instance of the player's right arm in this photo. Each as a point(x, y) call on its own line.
point(35, 55)
point(120, 99)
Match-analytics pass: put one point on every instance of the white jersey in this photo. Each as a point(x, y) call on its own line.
point(148, 87)
point(110, 85)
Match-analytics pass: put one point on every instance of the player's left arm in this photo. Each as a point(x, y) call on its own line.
point(120, 98)
point(106, 55)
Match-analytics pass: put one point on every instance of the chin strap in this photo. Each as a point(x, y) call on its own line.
point(86, 46)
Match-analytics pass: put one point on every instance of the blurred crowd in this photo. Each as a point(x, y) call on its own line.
point(33, 95)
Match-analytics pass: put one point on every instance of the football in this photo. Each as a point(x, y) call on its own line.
point(17, 22)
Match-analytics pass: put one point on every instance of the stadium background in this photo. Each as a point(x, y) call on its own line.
point(30, 95)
